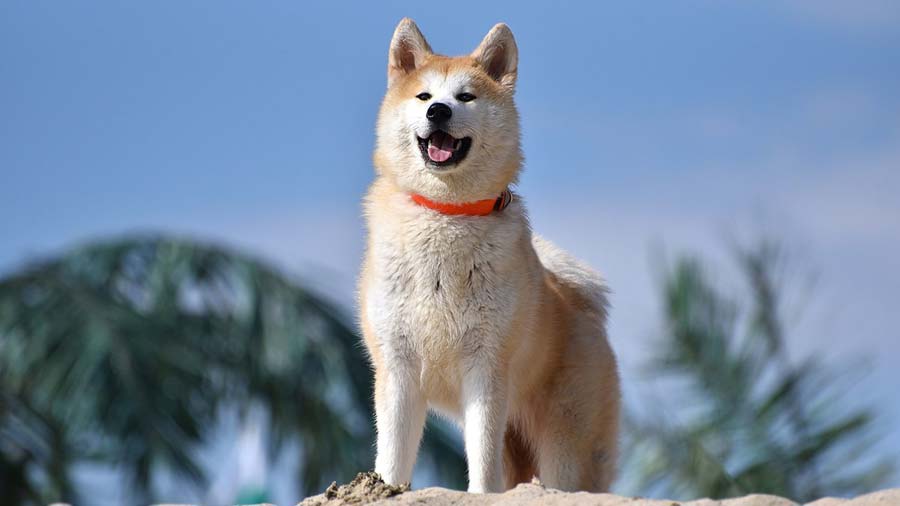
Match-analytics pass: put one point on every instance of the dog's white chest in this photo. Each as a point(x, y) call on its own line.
point(442, 286)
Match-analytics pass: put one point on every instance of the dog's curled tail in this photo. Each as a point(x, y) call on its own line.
point(573, 273)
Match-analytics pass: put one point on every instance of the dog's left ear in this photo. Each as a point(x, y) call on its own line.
point(498, 55)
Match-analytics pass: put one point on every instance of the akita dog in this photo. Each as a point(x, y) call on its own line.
point(462, 309)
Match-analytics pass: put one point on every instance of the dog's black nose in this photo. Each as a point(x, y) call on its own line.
point(438, 112)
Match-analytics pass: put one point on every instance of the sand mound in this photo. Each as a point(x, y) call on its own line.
point(368, 488)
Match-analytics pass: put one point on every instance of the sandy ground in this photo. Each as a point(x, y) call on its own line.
point(367, 488)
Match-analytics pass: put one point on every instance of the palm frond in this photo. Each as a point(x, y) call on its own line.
point(758, 421)
point(133, 347)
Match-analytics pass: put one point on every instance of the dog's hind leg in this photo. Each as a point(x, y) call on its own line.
point(577, 444)
point(518, 458)
point(573, 464)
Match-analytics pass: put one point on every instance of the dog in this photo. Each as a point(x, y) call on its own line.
point(463, 311)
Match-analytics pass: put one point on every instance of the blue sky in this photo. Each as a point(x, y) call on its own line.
point(673, 124)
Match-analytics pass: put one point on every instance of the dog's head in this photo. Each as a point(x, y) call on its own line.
point(448, 127)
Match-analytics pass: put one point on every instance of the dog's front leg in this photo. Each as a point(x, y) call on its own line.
point(400, 417)
point(485, 411)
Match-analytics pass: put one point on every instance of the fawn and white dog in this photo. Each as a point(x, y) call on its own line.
point(462, 309)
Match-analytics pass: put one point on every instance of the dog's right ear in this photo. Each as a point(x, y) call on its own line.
point(408, 50)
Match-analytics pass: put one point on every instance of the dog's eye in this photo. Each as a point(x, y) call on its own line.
point(423, 96)
point(465, 97)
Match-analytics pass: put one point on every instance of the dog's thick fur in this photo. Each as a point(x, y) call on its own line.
point(472, 316)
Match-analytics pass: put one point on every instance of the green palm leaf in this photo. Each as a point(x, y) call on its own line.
point(129, 351)
point(757, 420)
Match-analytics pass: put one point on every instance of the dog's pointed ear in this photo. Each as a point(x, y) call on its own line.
point(408, 50)
point(498, 55)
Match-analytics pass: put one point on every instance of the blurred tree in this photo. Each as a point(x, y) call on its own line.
point(125, 352)
point(753, 420)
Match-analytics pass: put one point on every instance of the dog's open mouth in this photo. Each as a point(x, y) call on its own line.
point(441, 148)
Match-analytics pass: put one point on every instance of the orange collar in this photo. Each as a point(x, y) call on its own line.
point(477, 208)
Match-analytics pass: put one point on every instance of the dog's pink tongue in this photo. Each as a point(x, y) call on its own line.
point(439, 154)
point(440, 148)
